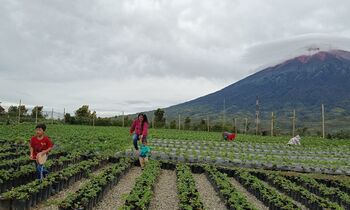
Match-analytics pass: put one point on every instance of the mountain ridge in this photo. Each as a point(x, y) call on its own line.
point(302, 83)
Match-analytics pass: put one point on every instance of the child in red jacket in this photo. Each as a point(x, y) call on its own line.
point(40, 145)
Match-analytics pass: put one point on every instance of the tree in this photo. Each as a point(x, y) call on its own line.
point(187, 123)
point(67, 118)
point(83, 114)
point(83, 111)
point(12, 111)
point(203, 125)
point(173, 124)
point(23, 110)
point(159, 120)
point(2, 110)
point(40, 111)
point(302, 131)
point(217, 127)
point(103, 121)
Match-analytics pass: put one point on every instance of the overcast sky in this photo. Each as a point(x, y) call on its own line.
point(128, 55)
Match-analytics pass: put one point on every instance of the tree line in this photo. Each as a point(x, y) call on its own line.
point(84, 116)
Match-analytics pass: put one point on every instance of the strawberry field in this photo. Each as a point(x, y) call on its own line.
point(94, 168)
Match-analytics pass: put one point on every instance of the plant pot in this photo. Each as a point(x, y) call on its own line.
point(5, 204)
point(33, 199)
point(43, 194)
point(20, 204)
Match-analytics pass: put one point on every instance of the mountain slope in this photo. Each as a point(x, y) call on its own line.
point(304, 83)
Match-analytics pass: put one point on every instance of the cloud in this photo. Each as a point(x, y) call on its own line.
point(77, 52)
point(268, 54)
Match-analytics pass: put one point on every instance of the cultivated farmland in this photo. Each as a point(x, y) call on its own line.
point(94, 168)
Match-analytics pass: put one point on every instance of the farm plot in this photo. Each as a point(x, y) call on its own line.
point(21, 190)
point(182, 174)
point(321, 158)
point(194, 187)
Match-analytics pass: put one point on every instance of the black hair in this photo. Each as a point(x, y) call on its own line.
point(139, 115)
point(42, 126)
point(145, 119)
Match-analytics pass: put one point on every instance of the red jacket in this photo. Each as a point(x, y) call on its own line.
point(231, 137)
point(136, 126)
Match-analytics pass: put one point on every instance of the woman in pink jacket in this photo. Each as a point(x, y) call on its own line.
point(139, 129)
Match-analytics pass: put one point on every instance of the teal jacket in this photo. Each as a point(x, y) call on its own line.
point(145, 151)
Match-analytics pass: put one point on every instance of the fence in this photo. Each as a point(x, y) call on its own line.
point(320, 122)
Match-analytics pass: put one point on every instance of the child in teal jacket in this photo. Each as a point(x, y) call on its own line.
point(144, 154)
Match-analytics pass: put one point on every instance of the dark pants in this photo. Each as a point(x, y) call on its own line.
point(41, 172)
point(135, 138)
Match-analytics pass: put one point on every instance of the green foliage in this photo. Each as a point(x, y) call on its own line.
point(38, 109)
point(141, 195)
point(267, 193)
point(104, 140)
point(27, 190)
point(83, 115)
point(288, 186)
point(173, 124)
point(83, 111)
point(159, 120)
point(2, 111)
point(13, 111)
point(232, 196)
point(186, 187)
point(81, 198)
point(187, 123)
point(339, 135)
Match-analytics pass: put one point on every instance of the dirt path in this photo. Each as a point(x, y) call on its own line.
point(207, 193)
point(53, 201)
point(114, 198)
point(165, 192)
point(250, 198)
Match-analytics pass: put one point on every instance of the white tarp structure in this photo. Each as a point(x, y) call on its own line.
point(295, 140)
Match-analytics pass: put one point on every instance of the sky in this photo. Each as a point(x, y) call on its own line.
point(138, 55)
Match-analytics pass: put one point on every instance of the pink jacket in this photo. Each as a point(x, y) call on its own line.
point(136, 126)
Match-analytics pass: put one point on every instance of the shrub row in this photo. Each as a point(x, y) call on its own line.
point(233, 198)
point(24, 196)
point(24, 174)
point(186, 186)
point(268, 195)
point(141, 195)
point(298, 192)
point(94, 191)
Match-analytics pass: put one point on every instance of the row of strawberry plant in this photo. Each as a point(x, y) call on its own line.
point(186, 186)
point(15, 177)
point(297, 192)
point(24, 160)
point(343, 185)
point(141, 194)
point(12, 155)
point(24, 196)
point(233, 198)
point(334, 194)
point(8, 147)
point(268, 195)
point(91, 193)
